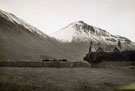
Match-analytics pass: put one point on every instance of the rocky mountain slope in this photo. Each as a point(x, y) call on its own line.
point(82, 32)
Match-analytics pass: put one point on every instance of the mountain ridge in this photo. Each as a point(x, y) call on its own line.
point(80, 31)
point(21, 41)
point(12, 18)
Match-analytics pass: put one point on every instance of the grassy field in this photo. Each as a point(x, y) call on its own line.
point(64, 79)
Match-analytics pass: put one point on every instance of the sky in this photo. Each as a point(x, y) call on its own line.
point(49, 16)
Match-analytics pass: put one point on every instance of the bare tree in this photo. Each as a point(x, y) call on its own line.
point(90, 46)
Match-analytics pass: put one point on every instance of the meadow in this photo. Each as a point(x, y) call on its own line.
point(64, 79)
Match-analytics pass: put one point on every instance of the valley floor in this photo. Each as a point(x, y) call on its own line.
point(65, 79)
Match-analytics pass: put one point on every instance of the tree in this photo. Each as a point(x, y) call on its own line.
point(119, 44)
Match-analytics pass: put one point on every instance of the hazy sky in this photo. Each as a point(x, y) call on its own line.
point(115, 16)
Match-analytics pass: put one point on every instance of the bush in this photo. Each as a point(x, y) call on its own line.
point(97, 57)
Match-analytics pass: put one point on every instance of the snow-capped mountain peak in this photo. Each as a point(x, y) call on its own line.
point(79, 31)
point(82, 32)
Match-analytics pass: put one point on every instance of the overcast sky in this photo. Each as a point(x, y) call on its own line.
point(115, 16)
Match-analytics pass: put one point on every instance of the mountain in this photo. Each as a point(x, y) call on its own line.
point(79, 32)
point(21, 41)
